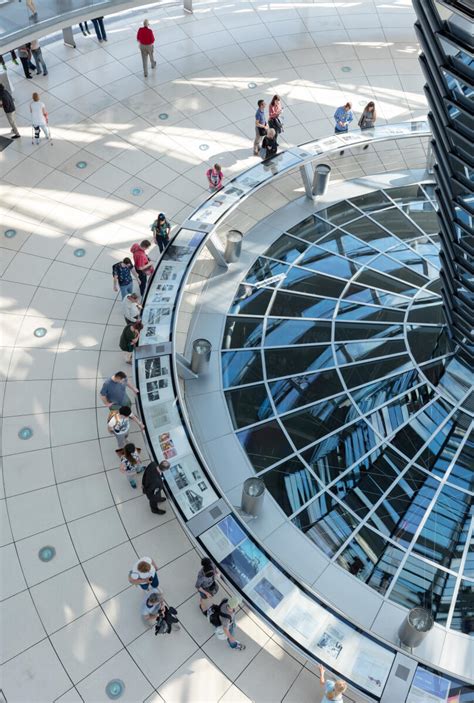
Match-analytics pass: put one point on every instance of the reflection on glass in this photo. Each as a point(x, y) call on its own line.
point(369, 202)
point(242, 332)
point(291, 484)
point(322, 261)
point(422, 584)
point(362, 553)
point(266, 272)
point(463, 616)
point(329, 531)
point(288, 332)
point(306, 426)
point(303, 390)
point(286, 248)
point(297, 305)
point(357, 330)
point(250, 301)
point(345, 244)
point(265, 444)
point(339, 213)
point(248, 405)
point(311, 229)
point(239, 367)
point(297, 360)
point(302, 281)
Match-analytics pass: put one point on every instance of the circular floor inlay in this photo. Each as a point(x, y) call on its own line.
point(81, 164)
point(204, 147)
point(40, 332)
point(136, 191)
point(252, 85)
point(10, 233)
point(163, 115)
point(346, 69)
point(25, 433)
point(115, 689)
point(79, 253)
point(46, 553)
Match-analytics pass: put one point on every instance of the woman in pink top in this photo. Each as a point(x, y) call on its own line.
point(274, 111)
point(215, 177)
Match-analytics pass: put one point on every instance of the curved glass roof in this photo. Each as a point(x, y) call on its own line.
point(347, 396)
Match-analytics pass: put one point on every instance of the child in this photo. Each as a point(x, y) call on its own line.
point(130, 463)
point(215, 177)
point(39, 118)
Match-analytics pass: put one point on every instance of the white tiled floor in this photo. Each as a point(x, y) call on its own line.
point(79, 619)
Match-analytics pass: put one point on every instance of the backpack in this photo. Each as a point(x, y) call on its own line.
point(214, 616)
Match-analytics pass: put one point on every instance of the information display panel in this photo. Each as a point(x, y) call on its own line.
point(317, 630)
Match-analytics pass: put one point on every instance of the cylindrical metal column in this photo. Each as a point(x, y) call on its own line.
point(322, 174)
point(415, 627)
point(201, 356)
point(233, 247)
point(253, 493)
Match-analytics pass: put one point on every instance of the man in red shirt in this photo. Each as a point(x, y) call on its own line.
point(146, 40)
point(143, 265)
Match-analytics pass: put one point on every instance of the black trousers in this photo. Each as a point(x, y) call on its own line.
point(142, 278)
point(154, 504)
point(26, 63)
point(98, 23)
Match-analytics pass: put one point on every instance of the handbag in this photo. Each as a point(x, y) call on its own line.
point(262, 131)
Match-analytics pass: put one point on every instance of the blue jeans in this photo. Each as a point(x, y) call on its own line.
point(232, 645)
point(127, 289)
point(153, 583)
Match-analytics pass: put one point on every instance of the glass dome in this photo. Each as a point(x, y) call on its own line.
point(346, 394)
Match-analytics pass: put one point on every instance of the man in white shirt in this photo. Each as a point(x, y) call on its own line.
point(132, 309)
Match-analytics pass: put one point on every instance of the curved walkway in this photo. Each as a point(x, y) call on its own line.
point(125, 148)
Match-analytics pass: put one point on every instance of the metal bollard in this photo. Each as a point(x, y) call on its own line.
point(415, 627)
point(201, 356)
point(253, 493)
point(322, 174)
point(233, 247)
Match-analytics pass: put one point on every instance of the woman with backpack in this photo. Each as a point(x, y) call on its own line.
point(206, 584)
point(118, 424)
point(222, 617)
point(161, 229)
point(130, 463)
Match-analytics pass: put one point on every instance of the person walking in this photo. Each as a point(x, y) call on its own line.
point(118, 424)
point(222, 617)
point(113, 393)
point(129, 339)
point(132, 309)
point(333, 690)
point(122, 276)
point(153, 485)
point(269, 144)
point(24, 53)
point(38, 58)
point(144, 573)
point(368, 118)
point(39, 118)
point(98, 23)
point(143, 265)
point(156, 612)
point(206, 584)
point(8, 105)
point(130, 463)
point(146, 41)
point(84, 27)
point(342, 118)
point(260, 126)
point(274, 114)
point(161, 229)
point(14, 59)
point(215, 177)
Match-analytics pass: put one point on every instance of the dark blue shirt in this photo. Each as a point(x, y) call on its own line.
point(123, 274)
